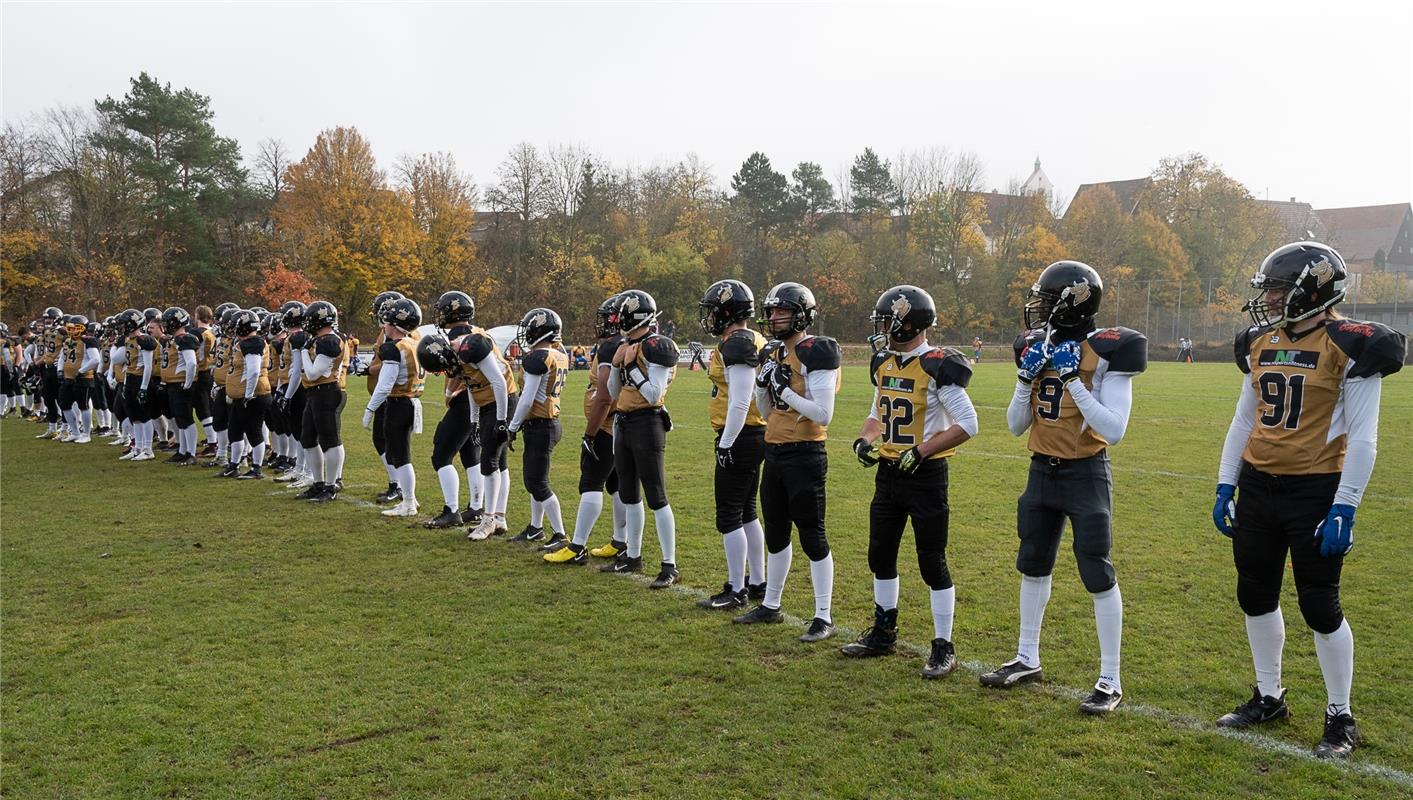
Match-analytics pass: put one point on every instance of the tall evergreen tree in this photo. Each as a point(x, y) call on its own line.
point(874, 190)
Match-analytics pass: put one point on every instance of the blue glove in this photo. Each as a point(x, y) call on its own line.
point(1065, 360)
point(1224, 512)
point(1033, 361)
point(1336, 533)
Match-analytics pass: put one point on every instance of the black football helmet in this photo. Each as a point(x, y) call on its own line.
point(272, 324)
point(379, 299)
point(401, 313)
point(725, 302)
point(93, 328)
point(75, 324)
point(320, 314)
point(795, 298)
point(225, 322)
point(453, 307)
point(635, 309)
point(51, 317)
point(149, 314)
point(1066, 297)
point(435, 354)
point(292, 314)
point(1309, 278)
point(127, 321)
point(902, 313)
point(606, 318)
point(174, 318)
point(244, 323)
point(538, 325)
point(222, 309)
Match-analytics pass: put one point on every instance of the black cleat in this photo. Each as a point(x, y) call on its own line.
point(173, 458)
point(555, 542)
point(624, 563)
point(665, 577)
point(470, 516)
point(878, 640)
point(819, 630)
point(252, 474)
point(1256, 711)
point(312, 492)
point(446, 519)
point(188, 461)
point(330, 493)
point(530, 534)
point(756, 591)
point(1341, 737)
point(1011, 673)
point(761, 614)
point(1102, 700)
point(942, 660)
point(230, 471)
point(392, 494)
point(726, 600)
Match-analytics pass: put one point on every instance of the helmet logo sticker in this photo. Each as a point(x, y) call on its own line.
point(725, 294)
point(1322, 271)
point(537, 320)
point(1078, 292)
point(901, 306)
point(630, 303)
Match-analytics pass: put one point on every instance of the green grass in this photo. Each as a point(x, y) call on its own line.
point(169, 635)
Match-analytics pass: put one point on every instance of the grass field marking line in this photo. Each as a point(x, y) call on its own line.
point(1174, 719)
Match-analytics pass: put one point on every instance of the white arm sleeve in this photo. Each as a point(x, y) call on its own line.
point(146, 368)
point(491, 369)
point(296, 369)
point(1106, 409)
point(655, 387)
point(92, 357)
point(188, 367)
point(615, 383)
point(763, 404)
point(740, 379)
point(820, 405)
point(387, 379)
point(253, 365)
point(59, 362)
point(527, 398)
point(1018, 414)
point(321, 367)
point(1237, 433)
point(1361, 414)
point(958, 404)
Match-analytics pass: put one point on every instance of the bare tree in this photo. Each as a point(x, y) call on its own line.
point(565, 174)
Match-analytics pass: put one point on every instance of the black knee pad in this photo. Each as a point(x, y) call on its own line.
point(1256, 600)
point(815, 545)
point(1321, 609)
point(934, 571)
point(1096, 572)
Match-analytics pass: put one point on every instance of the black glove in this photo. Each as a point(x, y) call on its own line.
point(474, 437)
point(142, 397)
point(910, 461)
point(281, 403)
point(863, 449)
point(779, 381)
point(724, 459)
point(587, 446)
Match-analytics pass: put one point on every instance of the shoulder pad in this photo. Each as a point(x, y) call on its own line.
point(387, 351)
point(188, 342)
point(875, 363)
point(1023, 340)
point(818, 353)
point(475, 347)
point(458, 330)
point(739, 349)
point(254, 346)
point(1125, 349)
point(1241, 347)
point(605, 350)
point(146, 342)
point(535, 362)
point(298, 340)
point(328, 345)
point(1375, 349)
point(947, 367)
point(659, 350)
point(89, 341)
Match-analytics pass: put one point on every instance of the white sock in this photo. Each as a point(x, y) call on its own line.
point(451, 487)
point(734, 543)
point(333, 464)
point(1336, 654)
point(407, 481)
point(223, 441)
point(885, 593)
point(633, 518)
point(777, 569)
point(191, 440)
point(556, 516)
point(666, 525)
point(755, 551)
point(537, 513)
point(1109, 622)
point(503, 497)
point(257, 456)
point(392, 473)
point(237, 451)
point(822, 579)
point(314, 461)
point(210, 431)
point(474, 487)
point(620, 519)
point(944, 605)
point(590, 506)
point(491, 484)
point(1034, 595)
point(1266, 635)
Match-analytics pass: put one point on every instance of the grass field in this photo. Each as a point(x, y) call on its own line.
point(169, 635)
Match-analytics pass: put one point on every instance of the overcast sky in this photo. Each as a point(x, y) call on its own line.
point(1304, 99)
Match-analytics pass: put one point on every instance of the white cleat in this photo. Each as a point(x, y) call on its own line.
point(483, 531)
point(403, 509)
point(290, 477)
point(85, 439)
point(145, 455)
point(65, 437)
point(304, 482)
point(128, 456)
point(500, 529)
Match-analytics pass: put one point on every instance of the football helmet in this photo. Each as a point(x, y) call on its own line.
point(245, 323)
point(795, 298)
point(725, 302)
point(401, 313)
point(1066, 297)
point(454, 306)
point(606, 318)
point(292, 313)
point(127, 321)
point(902, 313)
point(635, 309)
point(174, 318)
point(149, 314)
point(536, 326)
point(320, 314)
point(435, 354)
point(378, 300)
point(51, 317)
point(1309, 278)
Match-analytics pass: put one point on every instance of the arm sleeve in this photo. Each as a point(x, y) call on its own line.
point(526, 401)
point(1361, 412)
point(656, 386)
point(321, 367)
point(60, 361)
point(1018, 416)
point(763, 404)
point(253, 365)
point(387, 379)
point(146, 368)
point(189, 363)
point(615, 383)
point(296, 369)
point(1106, 409)
point(740, 379)
point(958, 404)
point(491, 369)
point(92, 357)
point(1237, 433)
point(819, 407)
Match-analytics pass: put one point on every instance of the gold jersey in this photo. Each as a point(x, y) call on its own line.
point(206, 356)
point(405, 350)
point(74, 350)
point(1057, 426)
point(230, 376)
point(905, 398)
point(171, 356)
point(474, 347)
point(254, 346)
point(739, 348)
point(810, 354)
point(332, 346)
point(553, 364)
point(652, 349)
point(1299, 385)
point(602, 355)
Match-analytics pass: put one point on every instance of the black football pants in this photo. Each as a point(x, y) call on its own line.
point(737, 485)
point(1080, 490)
point(921, 497)
point(792, 492)
point(540, 436)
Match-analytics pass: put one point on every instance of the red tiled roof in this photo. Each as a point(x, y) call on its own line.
point(1360, 232)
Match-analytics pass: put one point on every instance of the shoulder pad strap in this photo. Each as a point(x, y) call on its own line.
point(1125, 349)
point(1375, 349)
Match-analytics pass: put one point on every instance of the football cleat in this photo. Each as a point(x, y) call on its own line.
point(1011, 673)
point(189, 461)
point(392, 494)
point(610, 550)
point(941, 661)
point(83, 439)
point(878, 640)
point(329, 493)
point(303, 482)
point(145, 455)
point(756, 591)
point(818, 631)
point(407, 508)
point(1256, 711)
point(64, 436)
point(666, 576)
point(760, 615)
point(208, 451)
point(313, 490)
point(252, 474)
point(555, 542)
point(498, 528)
point(725, 600)
point(290, 477)
point(624, 563)
point(446, 519)
point(470, 516)
point(530, 534)
point(568, 554)
point(173, 458)
point(1341, 736)
point(1105, 698)
point(230, 471)
point(483, 530)
point(128, 454)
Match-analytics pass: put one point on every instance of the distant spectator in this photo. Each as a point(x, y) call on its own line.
point(579, 357)
point(976, 350)
point(1185, 350)
point(669, 329)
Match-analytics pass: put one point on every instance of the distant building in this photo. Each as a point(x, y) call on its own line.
point(1129, 193)
point(1038, 182)
point(1300, 220)
point(1372, 238)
